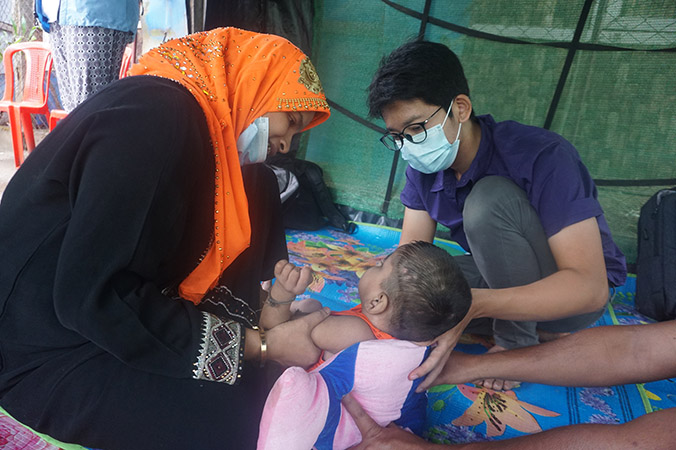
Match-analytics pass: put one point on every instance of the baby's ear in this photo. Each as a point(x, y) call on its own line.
point(378, 304)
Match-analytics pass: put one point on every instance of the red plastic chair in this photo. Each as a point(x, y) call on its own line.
point(35, 92)
point(54, 116)
point(127, 60)
point(57, 114)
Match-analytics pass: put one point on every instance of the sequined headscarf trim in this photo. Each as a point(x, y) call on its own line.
point(236, 76)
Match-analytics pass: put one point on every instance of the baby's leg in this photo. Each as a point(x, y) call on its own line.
point(305, 306)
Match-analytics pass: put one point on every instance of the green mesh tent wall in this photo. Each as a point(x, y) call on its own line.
point(602, 73)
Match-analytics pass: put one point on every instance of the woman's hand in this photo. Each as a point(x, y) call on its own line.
point(373, 436)
point(290, 343)
point(435, 362)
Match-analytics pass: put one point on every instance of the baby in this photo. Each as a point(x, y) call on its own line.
point(415, 294)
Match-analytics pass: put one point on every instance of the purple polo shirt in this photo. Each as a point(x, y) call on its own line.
point(542, 163)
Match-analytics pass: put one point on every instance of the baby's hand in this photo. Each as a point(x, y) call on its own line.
point(290, 280)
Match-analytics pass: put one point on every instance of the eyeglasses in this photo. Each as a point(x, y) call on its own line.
point(415, 133)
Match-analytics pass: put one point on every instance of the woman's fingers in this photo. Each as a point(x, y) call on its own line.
point(368, 428)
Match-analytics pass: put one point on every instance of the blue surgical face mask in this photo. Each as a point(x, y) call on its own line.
point(435, 153)
point(252, 144)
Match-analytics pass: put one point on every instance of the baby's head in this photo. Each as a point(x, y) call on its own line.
point(425, 291)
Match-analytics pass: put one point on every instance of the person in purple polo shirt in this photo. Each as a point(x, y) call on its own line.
point(518, 198)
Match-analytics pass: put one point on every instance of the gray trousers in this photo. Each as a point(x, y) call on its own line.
point(509, 248)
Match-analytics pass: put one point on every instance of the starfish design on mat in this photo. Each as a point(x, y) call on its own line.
point(349, 257)
point(335, 262)
point(499, 409)
point(314, 255)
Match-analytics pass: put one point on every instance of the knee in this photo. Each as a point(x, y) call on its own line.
point(488, 197)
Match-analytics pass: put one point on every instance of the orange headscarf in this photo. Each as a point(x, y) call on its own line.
point(236, 76)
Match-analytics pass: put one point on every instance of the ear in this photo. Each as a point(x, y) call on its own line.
point(377, 305)
point(462, 108)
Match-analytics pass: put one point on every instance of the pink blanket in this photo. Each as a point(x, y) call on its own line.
point(303, 410)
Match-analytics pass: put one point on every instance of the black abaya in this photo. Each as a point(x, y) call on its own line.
point(109, 213)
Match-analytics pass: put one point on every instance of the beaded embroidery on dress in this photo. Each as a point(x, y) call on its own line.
point(221, 354)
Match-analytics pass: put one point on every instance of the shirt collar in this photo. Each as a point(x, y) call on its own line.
point(480, 163)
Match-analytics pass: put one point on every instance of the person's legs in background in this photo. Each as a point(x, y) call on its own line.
point(86, 59)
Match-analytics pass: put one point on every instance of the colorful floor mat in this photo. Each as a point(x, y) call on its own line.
point(16, 436)
point(455, 414)
point(465, 413)
point(340, 259)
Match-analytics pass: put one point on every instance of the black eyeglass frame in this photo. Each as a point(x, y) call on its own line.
point(397, 139)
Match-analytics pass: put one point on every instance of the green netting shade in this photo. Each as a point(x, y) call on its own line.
point(600, 73)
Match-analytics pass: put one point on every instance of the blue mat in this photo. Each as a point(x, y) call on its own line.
point(455, 414)
point(340, 259)
point(465, 413)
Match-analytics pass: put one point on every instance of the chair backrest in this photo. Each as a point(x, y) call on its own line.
point(38, 68)
point(127, 61)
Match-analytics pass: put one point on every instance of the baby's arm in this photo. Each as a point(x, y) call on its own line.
point(337, 333)
point(334, 334)
point(290, 281)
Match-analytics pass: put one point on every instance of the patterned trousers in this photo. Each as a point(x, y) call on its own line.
point(86, 59)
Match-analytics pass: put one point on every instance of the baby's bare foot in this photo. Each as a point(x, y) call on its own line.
point(546, 336)
point(305, 306)
point(497, 385)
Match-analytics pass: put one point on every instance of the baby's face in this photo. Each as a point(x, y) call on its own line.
point(370, 284)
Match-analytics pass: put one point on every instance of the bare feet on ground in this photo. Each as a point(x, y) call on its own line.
point(507, 385)
point(305, 306)
point(497, 385)
point(546, 336)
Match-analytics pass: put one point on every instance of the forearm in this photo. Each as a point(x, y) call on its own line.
point(601, 356)
point(252, 345)
point(289, 343)
point(579, 286)
point(276, 308)
point(271, 316)
point(563, 294)
point(417, 226)
point(653, 431)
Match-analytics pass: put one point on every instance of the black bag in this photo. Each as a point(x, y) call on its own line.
point(656, 261)
point(310, 207)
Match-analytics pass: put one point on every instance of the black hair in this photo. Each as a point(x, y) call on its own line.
point(428, 291)
point(417, 70)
